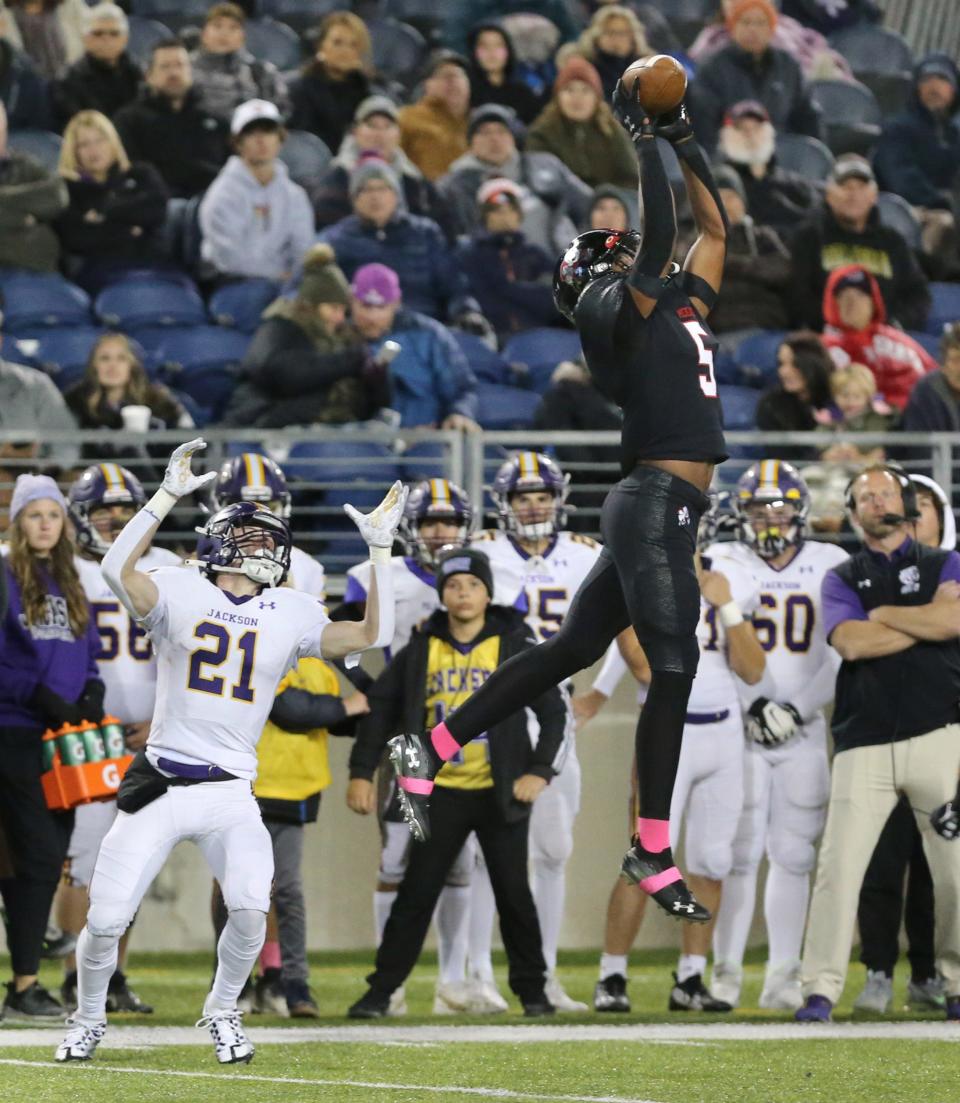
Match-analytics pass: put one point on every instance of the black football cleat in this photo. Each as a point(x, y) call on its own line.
point(416, 765)
point(693, 995)
point(641, 867)
point(373, 1004)
point(610, 994)
point(121, 997)
point(537, 1006)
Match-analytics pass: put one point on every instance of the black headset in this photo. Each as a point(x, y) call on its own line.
point(908, 489)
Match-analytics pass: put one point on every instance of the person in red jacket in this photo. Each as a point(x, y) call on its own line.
point(856, 332)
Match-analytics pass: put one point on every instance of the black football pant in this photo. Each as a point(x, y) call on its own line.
point(36, 840)
point(454, 814)
point(882, 899)
point(645, 577)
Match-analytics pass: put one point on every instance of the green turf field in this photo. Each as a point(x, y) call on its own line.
point(650, 1055)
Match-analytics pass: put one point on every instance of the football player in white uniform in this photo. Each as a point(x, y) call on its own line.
point(224, 638)
point(438, 515)
point(100, 502)
point(786, 772)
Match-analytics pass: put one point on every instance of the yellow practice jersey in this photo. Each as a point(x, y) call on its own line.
point(452, 676)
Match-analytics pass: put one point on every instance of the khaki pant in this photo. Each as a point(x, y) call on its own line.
point(864, 789)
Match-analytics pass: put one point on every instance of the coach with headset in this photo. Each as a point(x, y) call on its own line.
point(892, 611)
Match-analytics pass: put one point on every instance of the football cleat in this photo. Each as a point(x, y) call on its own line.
point(560, 1000)
point(693, 995)
point(230, 1043)
point(33, 1004)
point(451, 998)
point(80, 1042)
point(537, 1007)
point(268, 995)
point(610, 994)
point(397, 1007)
point(877, 994)
point(373, 1004)
point(781, 988)
point(816, 1009)
point(416, 766)
point(726, 981)
point(121, 997)
point(661, 880)
point(485, 999)
point(926, 995)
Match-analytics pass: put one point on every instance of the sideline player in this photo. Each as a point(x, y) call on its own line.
point(100, 502)
point(642, 323)
point(786, 771)
point(223, 646)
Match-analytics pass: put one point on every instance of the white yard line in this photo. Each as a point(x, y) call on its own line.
point(368, 1085)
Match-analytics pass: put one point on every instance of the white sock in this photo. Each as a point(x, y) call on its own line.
point(237, 952)
point(785, 911)
point(483, 909)
point(96, 962)
point(382, 903)
point(690, 965)
point(612, 964)
point(549, 890)
point(453, 932)
point(735, 918)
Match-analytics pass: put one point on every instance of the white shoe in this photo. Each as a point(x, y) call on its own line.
point(451, 998)
point(226, 1029)
point(726, 981)
point(781, 988)
point(560, 1000)
point(80, 1042)
point(877, 994)
point(485, 999)
point(398, 1003)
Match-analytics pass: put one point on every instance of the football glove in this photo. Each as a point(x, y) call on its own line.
point(945, 820)
point(379, 527)
point(178, 479)
point(674, 125)
point(770, 723)
point(631, 113)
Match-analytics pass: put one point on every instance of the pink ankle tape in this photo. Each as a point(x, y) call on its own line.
point(419, 785)
point(659, 880)
point(654, 835)
point(443, 742)
point(270, 955)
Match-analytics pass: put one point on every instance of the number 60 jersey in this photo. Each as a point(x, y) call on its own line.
point(219, 661)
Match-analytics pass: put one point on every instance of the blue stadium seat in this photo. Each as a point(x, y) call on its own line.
point(33, 299)
point(346, 461)
point(144, 35)
point(505, 407)
point(756, 356)
point(487, 364)
point(240, 304)
point(269, 40)
point(306, 156)
point(897, 213)
point(61, 351)
point(301, 15)
point(540, 350)
point(41, 145)
point(944, 306)
point(425, 460)
point(805, 155)
point(872, 49)
point(150, 303)
point(739, 407)
point(200, 414)
point(851, 115)
point(203, 361)
point(927, 341)
point(398, 49)
point(172, 13)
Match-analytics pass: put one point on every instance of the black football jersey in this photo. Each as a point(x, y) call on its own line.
point(658, 370)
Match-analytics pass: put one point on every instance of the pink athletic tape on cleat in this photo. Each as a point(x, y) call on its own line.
point(660, 881)
point(654, 835)
point(443, 742)
point(419, 785)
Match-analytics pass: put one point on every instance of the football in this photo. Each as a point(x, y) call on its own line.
point(663, 82)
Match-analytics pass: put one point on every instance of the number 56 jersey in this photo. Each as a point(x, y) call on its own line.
point(219, 661)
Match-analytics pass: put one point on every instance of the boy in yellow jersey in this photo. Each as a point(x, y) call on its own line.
point(488, 789)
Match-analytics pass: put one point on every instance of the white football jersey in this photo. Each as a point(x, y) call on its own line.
point(219, 661)
point(548, 581)
point(789, 620)
point(126, 661)
point(715, 686)
point(306, 574)
point(414, 591)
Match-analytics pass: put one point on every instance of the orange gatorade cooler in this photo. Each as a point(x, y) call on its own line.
point(81, 765)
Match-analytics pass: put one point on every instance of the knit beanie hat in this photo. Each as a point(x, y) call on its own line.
point(464, 561)
point(743, 6)
point(323, 281)
point(31, 488)
point(578, 68)
point(373, 168)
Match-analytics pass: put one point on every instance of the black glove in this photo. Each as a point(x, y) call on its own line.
point(631, 114)
point(54, 709)
point(90, 704)
point(674, 125)
point(945, 820)
point(771, 723)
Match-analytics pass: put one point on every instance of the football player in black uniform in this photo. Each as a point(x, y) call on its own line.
point(642, 323)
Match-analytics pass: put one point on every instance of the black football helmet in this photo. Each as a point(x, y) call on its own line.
point(586, 257)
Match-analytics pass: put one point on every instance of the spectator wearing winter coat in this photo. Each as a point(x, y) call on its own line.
point(381, 231)
point(304, 365)
point(106, 78)
point(555, 201)
point(775, 197)
point(918, 155)
point(857, 408)
point(225, 73)
point(847, 230)
point(856, 331)
point(934, 402)
point(167, 126)
point(578, 126)
point(49, 33)
point(116, 208)
point(430, 380)
point(331, 86)
point(802, 389)
point(613, 38)
point(31, 404)
point(508, 275)
point(376, 130)
point(462, 17)
point(255, 221)
point(23, 93)
point(756, 269)
point(750, 68)
point(492, 72)
point(30, 199)
point(433, 131)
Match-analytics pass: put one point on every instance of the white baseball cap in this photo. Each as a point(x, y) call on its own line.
point(253, 111)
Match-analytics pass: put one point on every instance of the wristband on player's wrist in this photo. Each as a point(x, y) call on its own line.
point(730, 614)
point(380, 556)
point(161, 504)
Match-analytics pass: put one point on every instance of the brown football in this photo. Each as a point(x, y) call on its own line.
point(663, 82)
